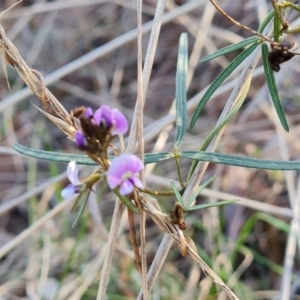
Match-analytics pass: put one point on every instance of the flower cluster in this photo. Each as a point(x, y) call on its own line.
point(97, 131)
point(101, 125)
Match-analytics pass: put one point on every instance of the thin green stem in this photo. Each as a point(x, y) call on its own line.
point(277, 8)
point(159, 193)
point(176, 158)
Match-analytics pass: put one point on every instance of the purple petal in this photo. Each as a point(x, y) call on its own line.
point(119, 121)
point(106, 115)
point(88, 112)
point(80, 139)
point(126, 187)
point(116, 169)
point(68, 192)
point(121, 167)
point(114, 175)
point(131, 163)
point(72, 172)
point(137, 182)
point(98, 116)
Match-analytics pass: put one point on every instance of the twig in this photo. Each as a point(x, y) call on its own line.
point(116, 219)
point(133, 238)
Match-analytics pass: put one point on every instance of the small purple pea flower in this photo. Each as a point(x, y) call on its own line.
point(76, 185)
point(80, 139)
point(111, 118)
point(123, 172)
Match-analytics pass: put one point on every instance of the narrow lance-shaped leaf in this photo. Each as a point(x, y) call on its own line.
point(230, 48)
point(181, 109)
point(177, 194)
point(207, 205)
point(241, 161)
point(54, 156)
point(81, 159)
point(199, 189)
point(217, 82)
point(156, 157)
point(273, 88)
point(82, 199)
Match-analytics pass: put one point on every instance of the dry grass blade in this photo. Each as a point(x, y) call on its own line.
point(140, 139)
point(185, 244)
point(110, 250)
point(35, 81)
point(157, 22)
point(2, 14)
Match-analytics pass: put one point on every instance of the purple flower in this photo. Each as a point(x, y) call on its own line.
point(123, 172)
point(80, 139)
point(76, 185)
point(88, 112)
point(111, 118)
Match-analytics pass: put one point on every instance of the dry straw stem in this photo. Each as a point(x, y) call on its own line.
point(185, 244)
point(35, 81)
point(136, 133)
point(140, 140)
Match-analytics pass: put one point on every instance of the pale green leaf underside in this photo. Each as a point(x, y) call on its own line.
point(80, 159)
point(241, 161)
point(207, 205)
point(180, 97)
point(234, 160)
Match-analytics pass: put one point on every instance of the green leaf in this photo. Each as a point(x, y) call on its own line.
point(217, 82)
point(156, 157)
point(273, 88)
point(230, 48)
point(241, 161)
point(79, 158)
point(54, 156)
point(207, 205)
point(198, 191)
point(177, 194)
point(181, 101)
point(82, 198)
